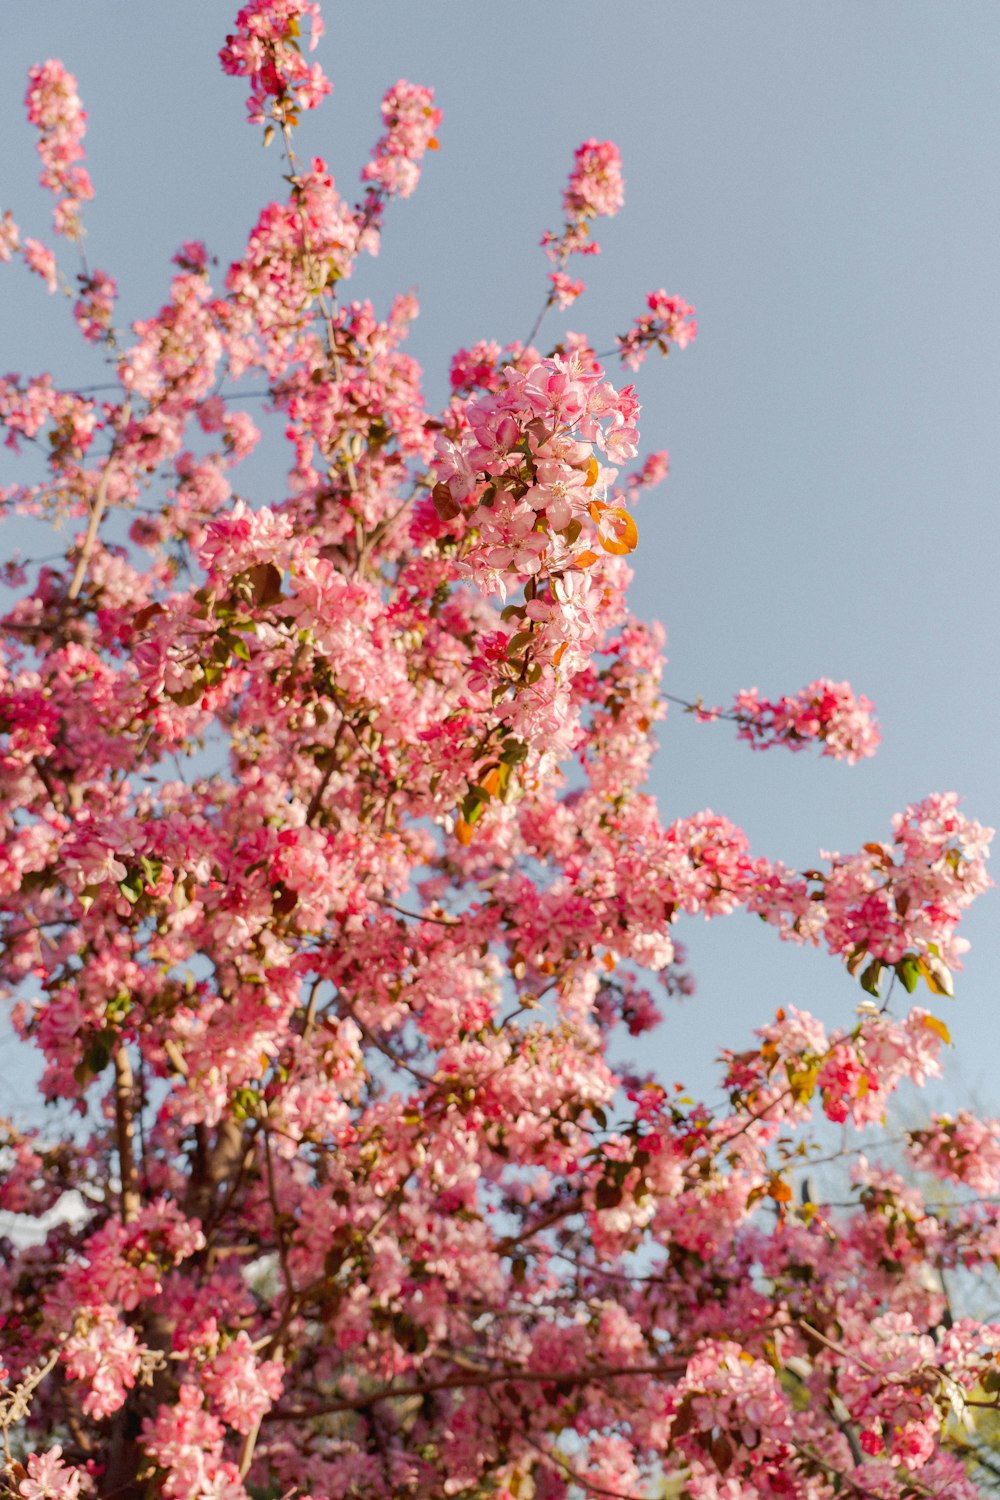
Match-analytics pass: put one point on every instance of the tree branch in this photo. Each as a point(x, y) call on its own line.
point(470, 1379)
point(125, 1130)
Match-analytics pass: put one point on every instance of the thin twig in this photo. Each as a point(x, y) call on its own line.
point(98, 508)
point(420, 916)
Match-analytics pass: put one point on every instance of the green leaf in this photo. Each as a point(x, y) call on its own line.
point(190, 695)
point(513, 752)
point(472, 807)
point(908, 970)
point(871, 977)
point(98, 1054)
point(519, 643)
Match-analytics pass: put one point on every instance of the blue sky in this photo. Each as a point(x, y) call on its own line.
point(820, 181)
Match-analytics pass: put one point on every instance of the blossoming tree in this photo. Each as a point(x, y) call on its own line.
point(363, 1206)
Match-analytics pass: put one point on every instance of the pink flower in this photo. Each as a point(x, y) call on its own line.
point(564, 290)
point(40, 259)
point(668, 321)
point(49, 1478)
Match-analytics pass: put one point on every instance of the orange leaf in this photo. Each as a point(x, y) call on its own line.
point(625, 537)
point(593, 469)
point(585, 559)
point(560, 650)
point(597, 508)
point(491, 783)
point(464, 832)
point(434, 144)
point(779, 1190)
point(938, 1027)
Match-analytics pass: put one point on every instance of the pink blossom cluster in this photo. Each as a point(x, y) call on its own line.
point(527, 487)
point(826, 711)
point(893, 905)
point(265, 47)
point(853, 1073)
point(411, 122)
point(476, 368)
point(728, 1409)
point(41, 260)
point(596, 188)
point(27, 408)
point(654, 470)
point(105, 1355)
point(889, 900)
point(893, 1359)
point(564, 289)
point(858, 1075)
point(669, 321)
point(241, 1387)
point(55, 110)
point(962, 1149)
point(186, 1443)
point(10, 236)
point(95, 305)
point(294, 249)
